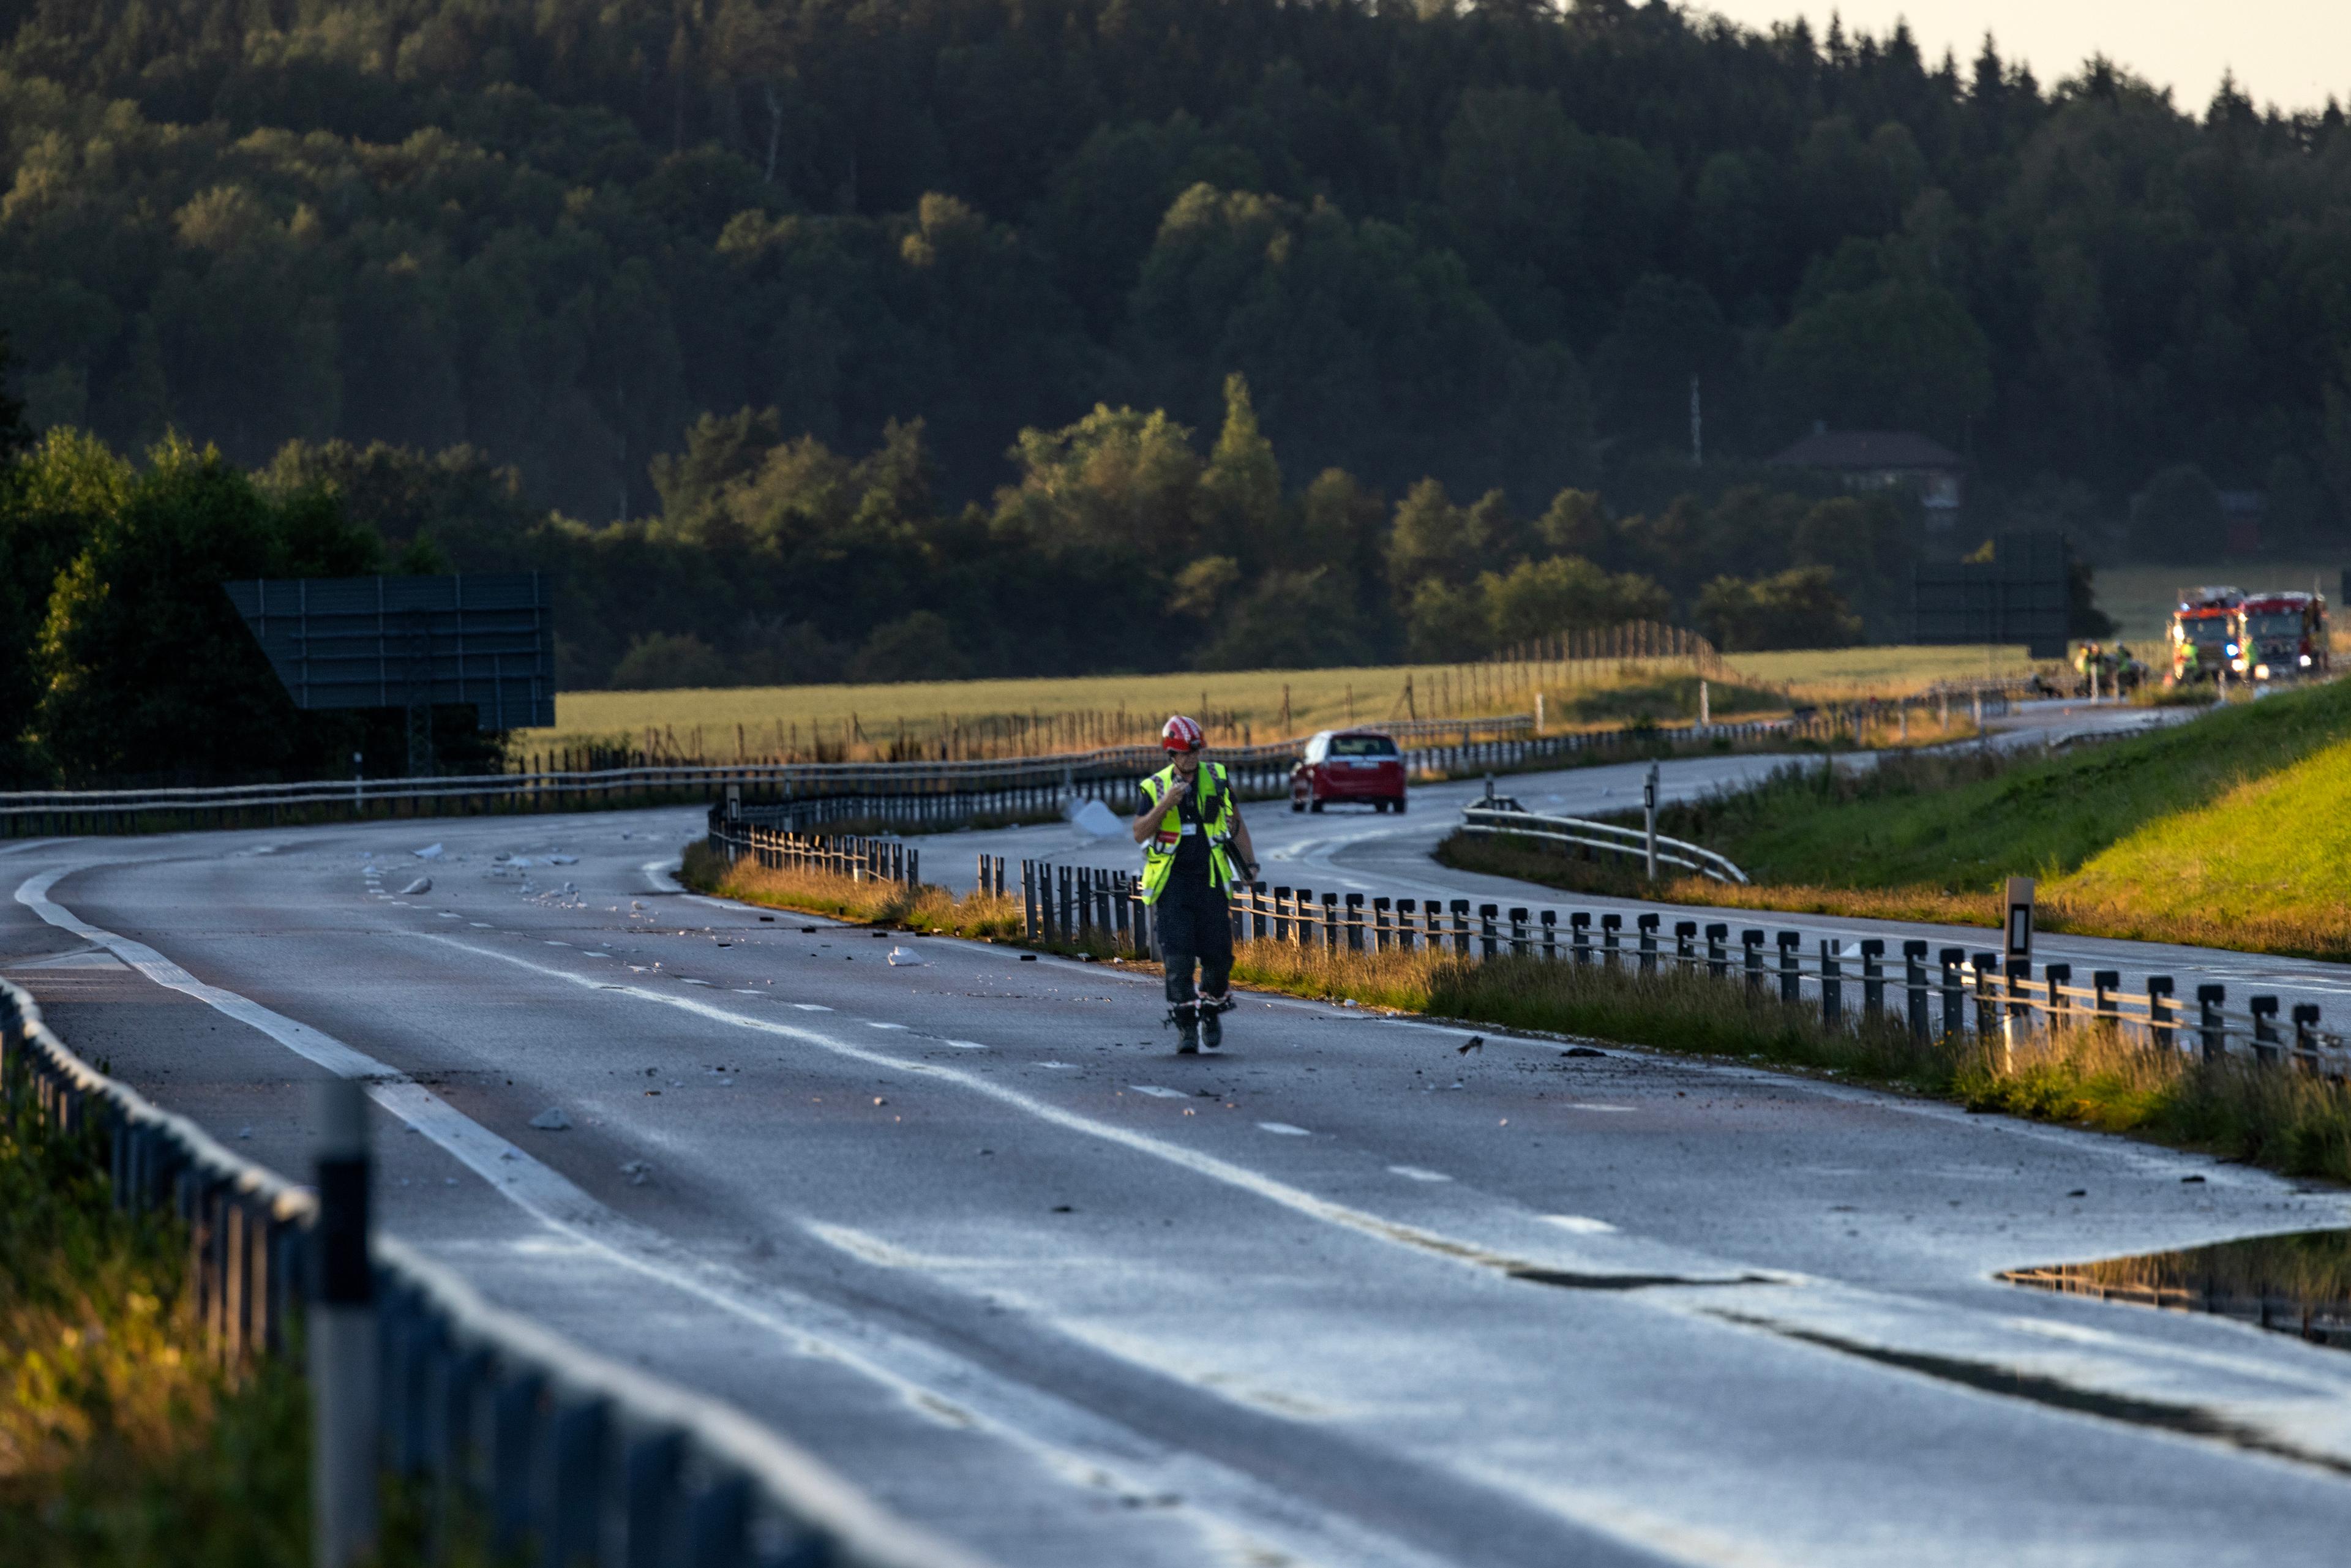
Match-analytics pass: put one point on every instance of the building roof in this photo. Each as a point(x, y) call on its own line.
point(1867, 449)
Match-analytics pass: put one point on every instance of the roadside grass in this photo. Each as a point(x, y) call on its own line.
point(123, 1442)
point(924, 908)
point(2229, 831)
point(703, 720)
point(2089, 1077)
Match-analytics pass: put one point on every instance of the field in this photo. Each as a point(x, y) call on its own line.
point(1261, 705)
point(2229, 831)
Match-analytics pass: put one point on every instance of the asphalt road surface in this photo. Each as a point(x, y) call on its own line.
point(967, 1227)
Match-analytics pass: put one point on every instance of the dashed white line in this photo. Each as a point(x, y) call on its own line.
point(1414, 1173)
point(1157, 1092)
point(1284, 1128)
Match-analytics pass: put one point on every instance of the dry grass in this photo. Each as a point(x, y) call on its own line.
point(2088, 1077)
point(924, 908)
point(704, 722)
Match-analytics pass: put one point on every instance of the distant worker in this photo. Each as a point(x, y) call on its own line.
point(1190, 830)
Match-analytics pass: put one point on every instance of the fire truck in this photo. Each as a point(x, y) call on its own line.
point(2202, 632)
point(2276, 636)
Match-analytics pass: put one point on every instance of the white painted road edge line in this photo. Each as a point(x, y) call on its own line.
point(1013, 1411)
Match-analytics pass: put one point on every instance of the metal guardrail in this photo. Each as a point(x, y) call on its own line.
point(782, 849)
point(1961, 994)
point(589, 1459)
point(1602, 836)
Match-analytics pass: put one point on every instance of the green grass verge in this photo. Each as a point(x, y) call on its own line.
point(123, 1442)
point(2229, 831)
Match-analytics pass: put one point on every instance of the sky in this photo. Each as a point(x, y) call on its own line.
point(2291, 53)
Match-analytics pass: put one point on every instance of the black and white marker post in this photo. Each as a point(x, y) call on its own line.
point(340, 1331)
point(1649, 818)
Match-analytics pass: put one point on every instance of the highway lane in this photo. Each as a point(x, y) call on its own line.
point(1348, 849)
point(968, 1229)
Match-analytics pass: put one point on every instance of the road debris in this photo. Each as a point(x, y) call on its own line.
point(552, 1120)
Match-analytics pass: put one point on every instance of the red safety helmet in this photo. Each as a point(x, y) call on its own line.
point(1180, 734)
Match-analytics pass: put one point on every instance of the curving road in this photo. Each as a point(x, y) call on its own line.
point(967, 1228)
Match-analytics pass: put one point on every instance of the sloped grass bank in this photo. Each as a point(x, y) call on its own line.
point(923, 908)
point(2229, 831)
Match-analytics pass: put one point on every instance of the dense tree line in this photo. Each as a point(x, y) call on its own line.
point(1485, 243)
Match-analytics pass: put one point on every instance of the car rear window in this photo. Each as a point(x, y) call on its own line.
point(1362, 746)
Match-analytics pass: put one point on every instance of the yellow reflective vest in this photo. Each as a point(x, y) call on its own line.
point(1213, 796)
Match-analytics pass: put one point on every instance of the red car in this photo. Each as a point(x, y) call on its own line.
point(1349, 764)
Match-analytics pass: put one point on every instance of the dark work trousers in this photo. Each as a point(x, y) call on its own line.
point(1194, 927)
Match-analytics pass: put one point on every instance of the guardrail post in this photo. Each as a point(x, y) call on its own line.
point(573, 1487)
point(1987, 969)
point(513, 1437)
point(650, 1499)
point(1685, 945)
point(1518, 947)
point(1259, 923)
point(1029, 900)
point(718, 1526)
point(1914, 989)
point(2305, 1034)
point(1330, 937)
point(1356, 923)
point(2158, 1011)
point(1459, 909)
point(1750, 942)
point(1832, 983)
point(2266, 1030)
point(2103, 984)
point(1955, 1013)
point(1790, 944)
point(1647, 926)
point(1718, 951)
point(1872, 977)
point(2210, 1025)
point(1579, 935)
point(2019, 1007)
point(1280, 914)
point(1380, 907)
point(1486, 947)
point(2058, 976)
point(1612, 927)
point(1406, 908)
point(340, 1329)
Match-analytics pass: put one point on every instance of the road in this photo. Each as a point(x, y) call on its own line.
point(1349, 849)
point(1343, 1296)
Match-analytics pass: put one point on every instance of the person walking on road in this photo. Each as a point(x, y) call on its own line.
point(1194, 846)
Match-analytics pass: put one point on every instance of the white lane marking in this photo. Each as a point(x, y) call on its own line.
point(1581, 1105)
point(481, 925)
point(657, 873)
point(872, 1025)
point(683, 981)
point(1067, 1440)
point(738, 990)
point(555, 944)
point(1284, 1128)
point(1580, 1224)
point(964, 1044)
point(1153, 1089)
point(804, 1007)
point(450, 914)
point(1297, 1199)
point(1414, 1173)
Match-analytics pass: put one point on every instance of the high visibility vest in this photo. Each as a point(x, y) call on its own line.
point(1213, 796)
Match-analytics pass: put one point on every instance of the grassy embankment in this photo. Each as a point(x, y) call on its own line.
point(123, 1442)
point(705, 722)
point(2232, 831)
point(2089, 1078)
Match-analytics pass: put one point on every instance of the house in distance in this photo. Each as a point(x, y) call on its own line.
point(1887, 460)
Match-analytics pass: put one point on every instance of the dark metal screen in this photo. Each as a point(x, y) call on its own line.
point(410, 642)
point(2023, 594)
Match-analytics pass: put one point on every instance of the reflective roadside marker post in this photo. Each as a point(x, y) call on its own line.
point(340, 1331)
point(2019, 964)
point(1705, 717)
point(1649, 818)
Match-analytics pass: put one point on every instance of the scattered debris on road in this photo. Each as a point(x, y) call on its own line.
point(1475, 1042)
point(551, 1120)
point(422, 884)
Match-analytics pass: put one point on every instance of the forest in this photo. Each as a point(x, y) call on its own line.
point(806, 340)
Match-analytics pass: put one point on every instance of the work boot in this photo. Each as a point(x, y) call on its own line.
point(1212, 1022)
point(1185, 1016)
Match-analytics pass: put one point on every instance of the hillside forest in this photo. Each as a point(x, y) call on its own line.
point(805, 341)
